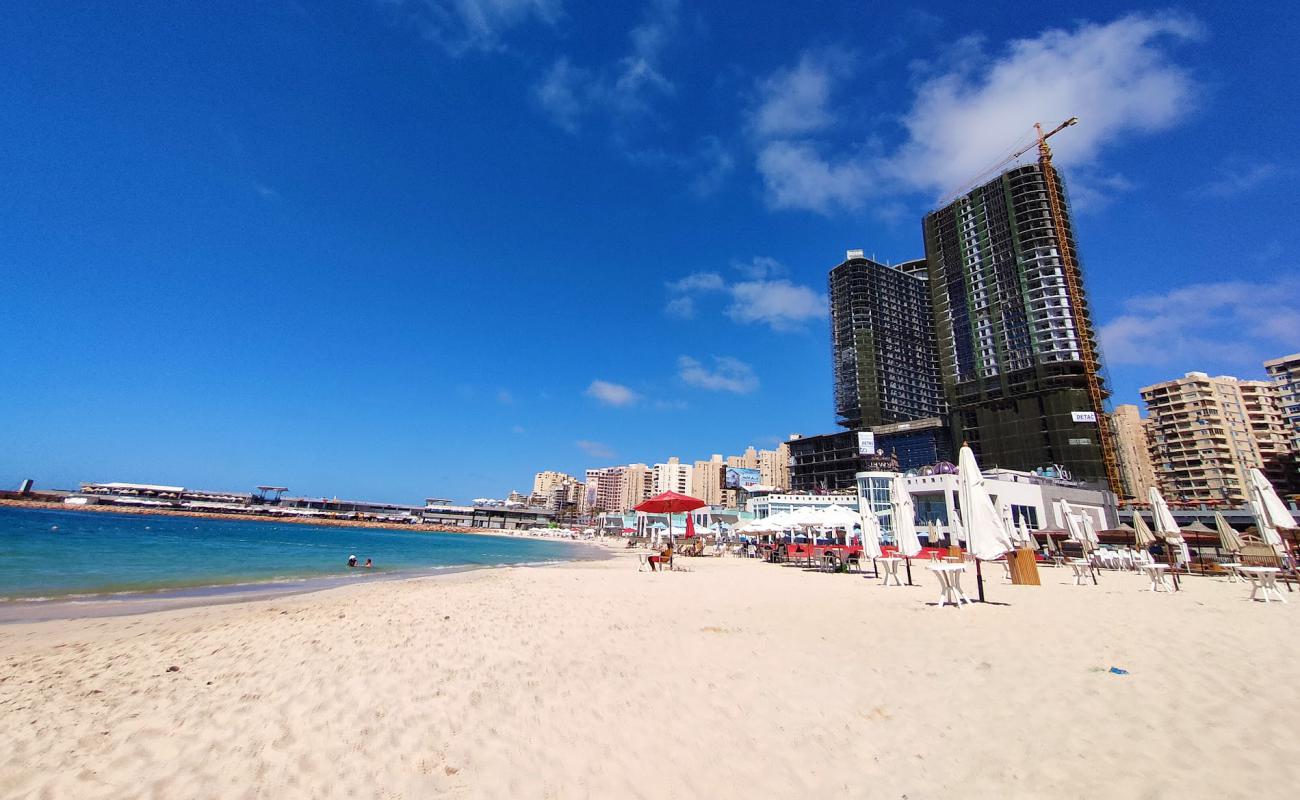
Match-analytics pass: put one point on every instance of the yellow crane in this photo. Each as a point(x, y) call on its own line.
point(1073, 288)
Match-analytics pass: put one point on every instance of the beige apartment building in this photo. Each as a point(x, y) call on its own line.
point(774, 466)
point(1285, 374)
point(636, 487)
point(707, 478)
point(1206, 433)
point(1132, 440)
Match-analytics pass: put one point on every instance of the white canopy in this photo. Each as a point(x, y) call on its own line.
point(900, 501)
point(838, 516)
point(986, 536)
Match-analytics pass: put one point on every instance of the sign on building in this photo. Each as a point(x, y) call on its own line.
point(866, 443)
point(741, 478)
point(1083, 416)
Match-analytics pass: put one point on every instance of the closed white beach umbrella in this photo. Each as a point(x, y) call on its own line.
point(956, 529)
point(1089, 530)
point(932, 533)
point(1142, 535)
point(1166, 527)
point(900, 501)
point(1073, 528)
point(1271, 514)
point(1026, 536)
point(986, 536)
point(870, 536)
point(1228, 538)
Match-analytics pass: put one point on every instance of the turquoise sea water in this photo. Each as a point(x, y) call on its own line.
point(60, 553)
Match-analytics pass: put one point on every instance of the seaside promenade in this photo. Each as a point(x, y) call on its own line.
point(735, 679)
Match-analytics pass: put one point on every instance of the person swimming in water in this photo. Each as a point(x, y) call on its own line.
point(352, 561)
point(369, 564)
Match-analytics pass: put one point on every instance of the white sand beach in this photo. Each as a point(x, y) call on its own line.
point(736, 679)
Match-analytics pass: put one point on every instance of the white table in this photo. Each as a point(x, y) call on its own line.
point(1233, 567)
point(890, 572)
point(1082, 571)
point(949, 576)
point(1262, 579)
point(1156, 572)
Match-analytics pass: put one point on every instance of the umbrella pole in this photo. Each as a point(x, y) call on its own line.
point(1173, 568)
point(909, 570)
point(979, 579)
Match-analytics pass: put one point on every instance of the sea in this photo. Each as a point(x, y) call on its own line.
point(58, 555)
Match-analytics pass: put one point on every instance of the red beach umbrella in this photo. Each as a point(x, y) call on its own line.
point(672, 503)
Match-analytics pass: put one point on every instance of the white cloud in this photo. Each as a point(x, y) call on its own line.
point(612, 394)
point(762, 298)
point(461, 26)
point(567, 93)
point(1227, 325)
point(728, 374)
point(1119, 78)
point(562, 94)
point(596, 449)
point(698, 282)
point(794, 100)
point(798, 177)
point(779, 304)
point(681, 307)
point(760, 267)
point(1237, 176)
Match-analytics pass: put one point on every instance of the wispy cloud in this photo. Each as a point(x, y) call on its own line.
point(778, 304)
point(1119, 78)
point(1232, 324)
point(794, 100)
point(728, 374)
point(595, 449)
point(463, 26)
point(567, 92)
point(763, 298)
point(1237, 176)
point(612, 394)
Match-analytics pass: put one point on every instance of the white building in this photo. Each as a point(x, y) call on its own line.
point(1017, 495)
point(766, 505)
point(672, 477)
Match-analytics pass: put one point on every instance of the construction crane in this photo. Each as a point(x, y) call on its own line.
point(1073, 288)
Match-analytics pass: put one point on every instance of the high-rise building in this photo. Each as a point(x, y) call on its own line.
point(1133, 447)
point(882, 343)
point(1285, 374)
point(1206, 433)
point(707, 479)
point(1017, 351)
point(1261, 401)
point(637, 486)
point(607, 497)
point(673, 476)
point(774, 467)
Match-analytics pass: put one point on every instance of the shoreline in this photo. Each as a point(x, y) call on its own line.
point(39, 605)
point(44, 505)
point(70, 608)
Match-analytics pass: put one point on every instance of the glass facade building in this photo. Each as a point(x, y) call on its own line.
point(882, 343)
point(1008, 332)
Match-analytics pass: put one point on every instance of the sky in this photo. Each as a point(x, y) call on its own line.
point(394, 249)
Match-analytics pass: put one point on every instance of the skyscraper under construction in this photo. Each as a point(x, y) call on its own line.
point(1017, 350)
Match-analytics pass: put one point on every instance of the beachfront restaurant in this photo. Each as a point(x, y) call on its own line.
point(1017, 495)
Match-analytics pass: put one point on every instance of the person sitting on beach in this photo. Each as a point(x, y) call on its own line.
point(352, 561)
point(369, 564)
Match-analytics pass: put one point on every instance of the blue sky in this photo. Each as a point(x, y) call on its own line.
point(401, 248)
